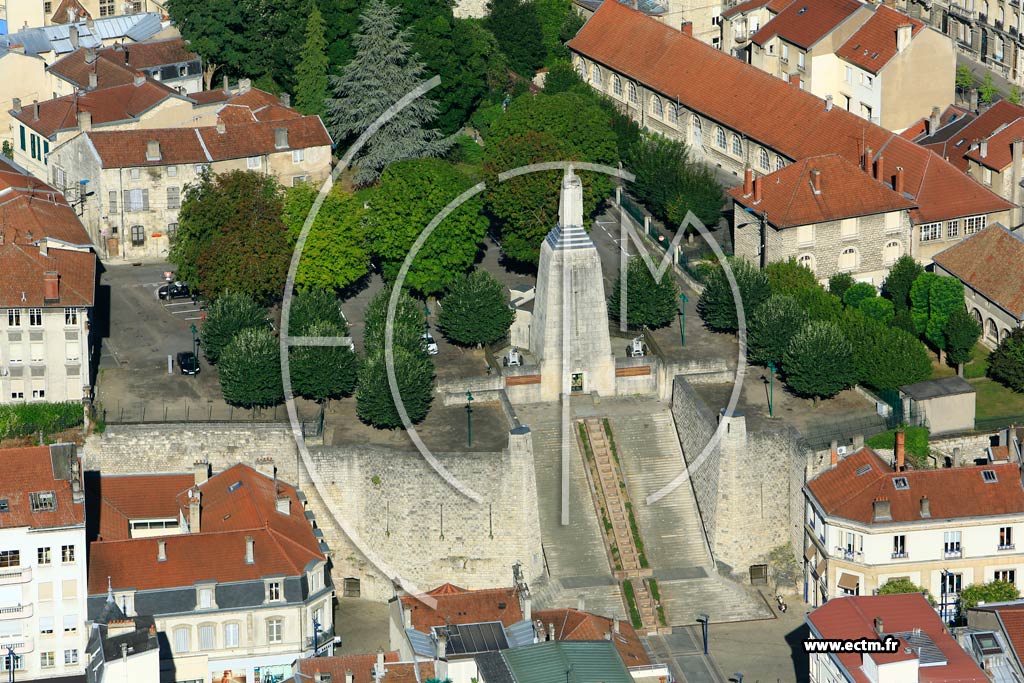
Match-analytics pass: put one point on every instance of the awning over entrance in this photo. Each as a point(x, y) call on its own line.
point(848, 582)
point(811, 552)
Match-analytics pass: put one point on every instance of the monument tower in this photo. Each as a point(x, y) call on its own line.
point(569, 334)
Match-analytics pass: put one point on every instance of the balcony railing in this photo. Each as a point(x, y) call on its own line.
point(323, 638)
point(20, 644)
point(953, 554)
point(16, 612)
point(846, 554)
point(1010, 546)
point(12, 575)
point(963, 12)
point(900, 556)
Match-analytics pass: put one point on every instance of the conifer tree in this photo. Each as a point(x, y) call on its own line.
point(311, 73)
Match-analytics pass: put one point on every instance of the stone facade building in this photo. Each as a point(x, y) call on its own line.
point(741, 22)
point(826, 213)
point(230, 567)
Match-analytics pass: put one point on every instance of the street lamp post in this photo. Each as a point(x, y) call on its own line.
point(704, 624)
point(469, 419)
point(942, 609)
point(195, 342)
point(771, 388)
point(316, 640)
point(682, 319)
point(11, 659)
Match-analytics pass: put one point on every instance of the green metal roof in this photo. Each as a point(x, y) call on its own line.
point(587, 661)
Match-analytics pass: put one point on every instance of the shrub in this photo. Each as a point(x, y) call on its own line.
point(1006, 363)
point(857, 292)
point(28, 419)
point(839, 283)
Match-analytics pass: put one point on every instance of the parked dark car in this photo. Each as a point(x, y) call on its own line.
point(188, 363)
point(174, 290)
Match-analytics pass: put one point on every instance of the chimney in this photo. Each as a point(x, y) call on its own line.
point(286, 100)
point(318, 677)
point(933, 121)
point(900, 451)
point(16, 105)
point(93, 80)
point(867, 159)
point(903, 36)
point(828, 103)
point(161, 551)
point(926, 507)
point(748, 182)
point(284, 504)
point(73, 36)
point(551, 631)
point(201, 469)
point(898, 184)
point(35, 110)
point(51, 285)
point(379, 667)
point(194, 509)
point(757, 190)
point(616, 628)
point(878, 626)
point(244, 85)
point(220, 126)
point(250, 550)
point(90, 55)
point(153, 150)
point(880, 168)
point(881, 510)
point(227, 87)
point(581, 603)
point(983, 149)
point(280, 138)
point(85, 119)
point(442, 645)
point(349, 677)
point(527, 606)
point(687, 28)
point(407, 616)
point(834, 458)
point(816, 181)
point(127, 57)
point(139, 79)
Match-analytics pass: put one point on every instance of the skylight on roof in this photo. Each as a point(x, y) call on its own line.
point(863, 469)
point(802, 10)
point(234, 487)
point(901, 483)
point(989, 476)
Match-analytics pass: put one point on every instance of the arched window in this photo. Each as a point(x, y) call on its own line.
point(891, 252)
point(595, 75)
point(657, 107)
point(182, 639)
point(632, 93)
point(977, 315)
point(719, 138)
point(991, 332)
point(1002, 16)
point(1003, 334)
point(737, 146)
point(848, 260)
point(698, 135)
point(807, 261)
point(763, 160)
point(617, 85)
point(779, 164)
point(581, 67)
point(673, 113)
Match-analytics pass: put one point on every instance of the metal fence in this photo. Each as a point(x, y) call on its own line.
point(175, 412)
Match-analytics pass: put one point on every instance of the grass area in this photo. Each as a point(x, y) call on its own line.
point(637, 541)
point(586, 442)
point(652, 585)
point(611, 440)
point(997, 402)
point(973, 369)
point(915, 442)
point(29, 419)
point(634, 613)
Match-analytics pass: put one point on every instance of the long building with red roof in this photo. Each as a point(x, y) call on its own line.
point(736, 116)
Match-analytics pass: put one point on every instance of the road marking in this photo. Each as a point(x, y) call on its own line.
point(113, 353)
point(190, 310)
point(180, 303)
point(196, 318)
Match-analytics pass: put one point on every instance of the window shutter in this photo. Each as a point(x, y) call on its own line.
point(145, 200)
point(113, 201)
point(128, 201)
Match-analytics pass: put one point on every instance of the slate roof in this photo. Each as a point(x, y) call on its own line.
point(591, 662)
point(284, 543)
point(951, 121)
point(846, 191)
point(789, 120)
point(142, 638)
point(934, 388)
point(572, 624)
point(953, 493)
point(55, 38)
point(853, 617)
point(31, 470)
point(989, 262)
point(455, 605)
point(805, 22)
point(873, 45)
point(1011, 615)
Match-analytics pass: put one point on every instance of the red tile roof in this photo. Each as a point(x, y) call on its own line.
point(30, 209)
point(1012, 617)
point(774, 6)
point(846, 191)
point(74, 68)
point(27, 471)
point(454, 605)
point(284, 543)
point(107, 105)
point(990, 263)
point(23, 269)
point(571, 624)
point(852, 618)
point(874, 43)
point(125, 498)
point(952, 493)
point(122, 148)
point(361, 667)
point(150, 54)
point(1000, 114)
point(999, 152)
point(790, 121)
point(919, 130)
point(804, 22)
point(116, 65)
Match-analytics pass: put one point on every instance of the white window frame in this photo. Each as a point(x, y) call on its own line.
point(973, 224)
point(182, 639)
point(298, 156)
point(207, 637)
point(253, 163)
point(931, 232)
point(231, 634)
point(35, 317)
point(275, 630)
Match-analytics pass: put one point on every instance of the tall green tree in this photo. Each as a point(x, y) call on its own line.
point(670, 183)
point(962, 332)
point(562, 76)
point(920, 302)
point(1006, 363)
point(552, 15)
point(320, 373)
point(987, 91)
point(819, 304)
point(573, 117)
point(877, 308)
point(314, 306)
point(231, 235)
point(717, 306)
point(409, 322)
point(964, 78)
point(383, 71)
point(946, 295)
point(311, 74)
point(786, 277)
point(375, 403)
point(410, 195)
point(520, 35)
point(336, 253)
point(476, 310)
point(885, 357)
point(228, 315)
point(250, 369)
point(900, 279)
point(839, 283)
point(772, 327)
point(818, 362)
point(649, 302)
point(215, 30)
point(857, 293)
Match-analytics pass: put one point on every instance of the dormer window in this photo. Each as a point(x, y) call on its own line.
point(989, 476)
point(43, 501)
point(206, 597)
point(901, 483)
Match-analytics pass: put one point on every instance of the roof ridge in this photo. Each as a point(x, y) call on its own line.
point(796, 188)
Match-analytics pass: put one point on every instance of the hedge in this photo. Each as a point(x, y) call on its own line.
point(27, 419)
